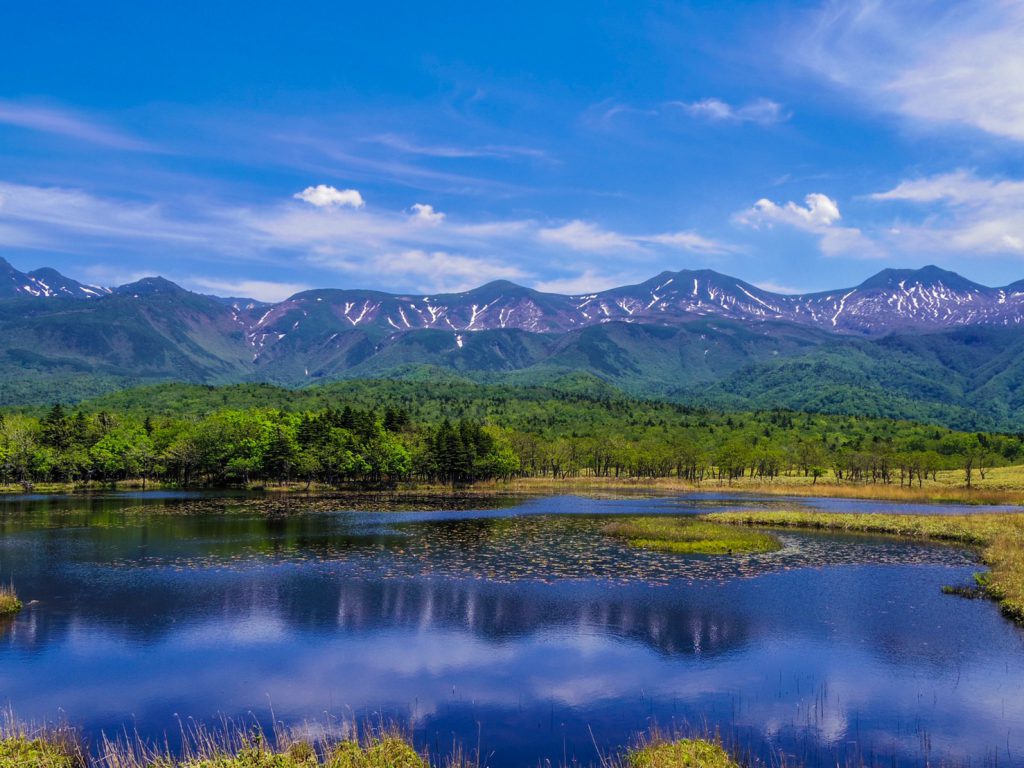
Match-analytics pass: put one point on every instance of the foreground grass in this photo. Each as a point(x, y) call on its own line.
point(690, 536)
point(9, 602)
point(998, 537)
point(58, 749)
point(681, 753)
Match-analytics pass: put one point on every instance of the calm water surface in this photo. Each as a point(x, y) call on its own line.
point(520, 627)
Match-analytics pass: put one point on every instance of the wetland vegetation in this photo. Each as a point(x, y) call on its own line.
point(21, 747)
point(684, 535)
point(9, 602)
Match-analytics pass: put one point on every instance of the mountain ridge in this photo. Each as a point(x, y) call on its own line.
point(928, 298)
point(923, 344)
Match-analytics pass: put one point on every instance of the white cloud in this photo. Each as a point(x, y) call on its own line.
point(584, 236)
point(963, 213)
point(820, 216)
point(326, 196)
point(388, 249)
point(927, 59)
point(774, 287)
point(261, 290)
point(412, 147)
point(422, 270)
point(819, 212)
point(62, 122)
point(50, 215)
point(425, 214)
point(588, 281)
point(687, 241)
point(761, 111)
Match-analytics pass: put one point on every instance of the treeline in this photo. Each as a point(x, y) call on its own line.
point(385, 433)
point(333, 446)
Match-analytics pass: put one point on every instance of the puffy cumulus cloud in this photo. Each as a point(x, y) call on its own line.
point(929, 60)
point(762, 111)
point(962, 212)
point(818, 212)
point(820, 216)
point(425, 214)
point(326, 196)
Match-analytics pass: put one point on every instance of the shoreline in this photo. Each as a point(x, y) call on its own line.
point(931, 493)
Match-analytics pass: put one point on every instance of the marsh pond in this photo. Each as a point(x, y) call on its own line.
point(513, 624)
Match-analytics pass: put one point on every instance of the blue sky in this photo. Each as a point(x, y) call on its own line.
point(265, 148)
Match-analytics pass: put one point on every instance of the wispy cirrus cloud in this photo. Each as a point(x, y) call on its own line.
point(68, 124)
point(325, 227)
point(760, 111)
point(261, 290)
point(410, 146)
point(929, 60)
point(587, 236)
point(962, 212)
point(424, 270)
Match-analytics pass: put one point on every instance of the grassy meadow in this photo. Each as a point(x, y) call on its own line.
point(689, 536)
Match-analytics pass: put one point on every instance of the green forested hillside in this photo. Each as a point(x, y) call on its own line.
point(387, 431)
point(967, 379)
point(71, 350)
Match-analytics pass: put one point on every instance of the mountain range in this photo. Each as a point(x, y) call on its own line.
point(923, 343)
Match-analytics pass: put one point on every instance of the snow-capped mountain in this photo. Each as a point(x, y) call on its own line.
point(900, 342)
point(892, 300)
point(44, 282)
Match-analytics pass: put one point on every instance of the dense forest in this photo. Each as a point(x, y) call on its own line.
point(386, 432)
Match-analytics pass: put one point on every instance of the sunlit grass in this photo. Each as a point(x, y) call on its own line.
point(682, 753)
point(235, 748)
point(690, 536)
point(999, 537)
point(949, 489)
point(9, 602)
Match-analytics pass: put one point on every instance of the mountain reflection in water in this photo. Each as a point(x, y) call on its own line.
point(524, 624)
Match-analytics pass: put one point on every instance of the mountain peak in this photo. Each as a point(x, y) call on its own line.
point(149, 286)
point(928, 275)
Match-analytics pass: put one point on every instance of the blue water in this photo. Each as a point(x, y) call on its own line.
point(521, 628)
